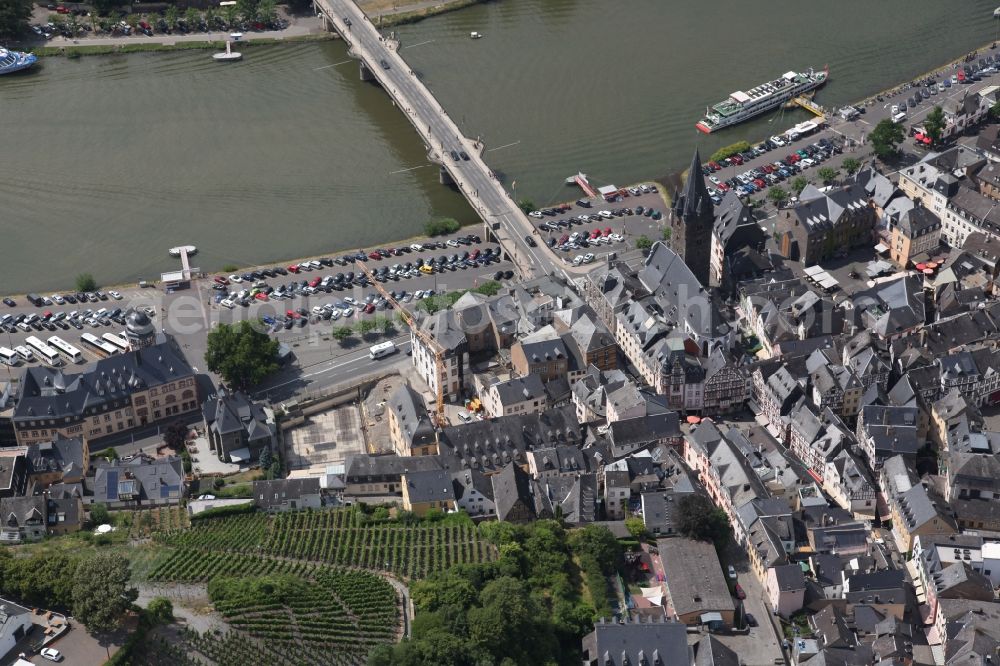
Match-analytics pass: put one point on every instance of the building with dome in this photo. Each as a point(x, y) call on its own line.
point(153, 383)
point(139, 330)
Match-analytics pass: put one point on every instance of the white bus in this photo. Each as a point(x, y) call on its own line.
point(381, 350)
point(66, 349)
point(116, 340)
point(24, 353)
point(98, 346)
point(8, 356)
point(45, 353)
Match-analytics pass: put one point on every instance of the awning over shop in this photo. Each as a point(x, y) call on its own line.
point(240, 455)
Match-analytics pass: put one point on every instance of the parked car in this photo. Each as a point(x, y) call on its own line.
point(740, 594)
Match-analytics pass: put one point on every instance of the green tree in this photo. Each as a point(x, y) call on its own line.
point(192, 17)
point(851, 165)
point(777, 195)
point(995, 111)
point(85, 282)
point(210, 15)
point(99, 514)
point(597, 542)
point(526, 205)
point(934, 124)
point(505, 625)
point(341, 333)
point(241, 354)
point(798, 184)
point(175, 435)
point(161, 610)
point(230, 14)
point(643, 242)
point(247, 9)
point(108, 454)
point(101, 593)
point(827, 174)
point(171, 16)
point(441, 226)
point(14, 16)
point(267, 12)
point(489, 288)
point(885, 138)
point(635, 526)
point(698, 518)
point(386, 325)
point(667, 233)
point(265, 458)
point(366, 326)
point(230, 268)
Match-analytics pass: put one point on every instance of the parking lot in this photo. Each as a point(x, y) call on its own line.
point(587, 230)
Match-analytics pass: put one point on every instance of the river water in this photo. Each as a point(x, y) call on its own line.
point(112, 160)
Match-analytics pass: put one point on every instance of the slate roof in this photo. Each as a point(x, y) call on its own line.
point(275, 492)
point(156, 481)
point(819, 211)
point(520, 389)
point(693, 200)
point(62, 454)
point(789, 577)
point(632, 643)
point(470, 479)
point(694, 576)
point(360, 467)
point(414, 422)
point(512, 485)
point(575, 495)
point(492, 443)
point(228, 413)
point(679, 294)
point(107, 384)
point(735, 225)
point(429, 486)
point(628, 435)
point(918, 221)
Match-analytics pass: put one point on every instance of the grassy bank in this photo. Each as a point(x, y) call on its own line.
point(406, 17)
point(78, 50)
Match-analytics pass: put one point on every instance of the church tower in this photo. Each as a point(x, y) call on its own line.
point(691, 221)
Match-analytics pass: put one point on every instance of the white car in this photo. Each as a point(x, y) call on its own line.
point(416, 247)
point(335, 314)
point(51, 654)
point(57, 299)
point(235, 278)
point(715, 180)
point(587, 258)
point(606, 214)
point(317, 310)
point(315, 264)
point(115, 295)
point(618, 238)
point(577, 260)
point(350, 300)
point(452, 242)
point(777, 140)
point(349, 312)
point(418, 294)
point(226, 303)
point(536, 213)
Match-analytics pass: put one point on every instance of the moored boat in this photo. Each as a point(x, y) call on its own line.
point(740, 105)
point(15, 61)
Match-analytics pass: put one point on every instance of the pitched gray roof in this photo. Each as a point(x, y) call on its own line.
point(104, 385)
point(679, 294)
point(157, 480)
point(276, 492)
point(430, 486)
point(414, 421)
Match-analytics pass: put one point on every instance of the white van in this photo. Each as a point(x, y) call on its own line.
point(8, 356)
point(899, 117)
point(24, 353)
point(226, 303)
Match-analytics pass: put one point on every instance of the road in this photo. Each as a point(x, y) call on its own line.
point(473, 176)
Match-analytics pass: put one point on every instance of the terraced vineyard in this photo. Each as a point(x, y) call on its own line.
point(328, 537)
point(285, 612)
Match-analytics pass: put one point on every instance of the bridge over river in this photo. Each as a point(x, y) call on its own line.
point(380, 61)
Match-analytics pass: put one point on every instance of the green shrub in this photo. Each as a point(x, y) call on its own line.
point(441, 226)
point(727, 151)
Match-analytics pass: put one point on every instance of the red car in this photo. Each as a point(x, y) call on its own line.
point(293, 269)
point(736, 158)
point(374, 255)
point(723, 187)
point(292, 314)
point(759, 183)
point(261, 296)
point(607, 231)
point(61, 9)
point(370, 308)
point(474, 254)
point(220, 280)
point(714, 166)
point(314, 282)
point(740, 594)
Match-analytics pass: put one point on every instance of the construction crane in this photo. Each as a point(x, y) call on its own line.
point(425, 337)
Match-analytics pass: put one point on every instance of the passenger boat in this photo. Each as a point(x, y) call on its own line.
point(15, 61)
point(475, 35)
point(741, 105)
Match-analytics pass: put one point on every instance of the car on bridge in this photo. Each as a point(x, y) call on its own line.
point(385, 65)
point(530, 241)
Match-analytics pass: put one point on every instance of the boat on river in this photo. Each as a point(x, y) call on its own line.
point(741, 105)
point(229, 55)
point(15, 61)
point(475, 35)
